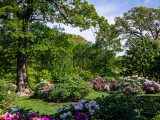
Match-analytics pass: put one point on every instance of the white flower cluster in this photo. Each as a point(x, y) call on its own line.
point(131, 84)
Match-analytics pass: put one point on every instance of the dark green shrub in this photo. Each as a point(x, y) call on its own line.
point(125, 107)
point(73, 89)
point(86, 75)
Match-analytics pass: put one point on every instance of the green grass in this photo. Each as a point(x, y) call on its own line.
point(43, 107)
point(153, 95)
point(94, 95)
point(37, 105)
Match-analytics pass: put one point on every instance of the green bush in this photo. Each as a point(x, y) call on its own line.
point(32, 77)
point(124, 107)
point(5, 97)
point(86, 75)
point(72, 89)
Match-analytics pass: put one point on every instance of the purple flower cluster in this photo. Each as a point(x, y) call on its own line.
point(100, 83)
point(82, 115)
point(33, 116)
point(150, 86)
point(30, 116)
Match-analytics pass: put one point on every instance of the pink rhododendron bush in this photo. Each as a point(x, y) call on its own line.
point(150, 86)
point(43, 89)
point(30, 116)
point(100, 84)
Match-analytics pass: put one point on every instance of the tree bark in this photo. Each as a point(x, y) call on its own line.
point(22, 63)
point(22, 72)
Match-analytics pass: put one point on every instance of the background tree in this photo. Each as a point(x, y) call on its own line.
point(140, 23)
point(140, 56)
point(139, 27)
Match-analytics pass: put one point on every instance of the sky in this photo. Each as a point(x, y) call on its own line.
point(111, 9)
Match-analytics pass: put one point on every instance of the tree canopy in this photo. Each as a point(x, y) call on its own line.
point(140, 23)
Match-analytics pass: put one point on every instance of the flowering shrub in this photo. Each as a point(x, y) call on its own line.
point(99, 84)
point(131, 85)
point(81, 111)
point(33, 116)
point(29, 116)
point(72, 89)
point(15, 116)
point(43, 89)
point(150, 86)
point(113, 85)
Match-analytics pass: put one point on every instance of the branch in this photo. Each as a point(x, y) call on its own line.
point(63, 15)
point(35, 19)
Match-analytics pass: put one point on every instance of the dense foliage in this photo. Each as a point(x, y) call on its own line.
point(69, 91)
point(72, 89)
point(6, 99)
point(123, 107)
point(140, 57)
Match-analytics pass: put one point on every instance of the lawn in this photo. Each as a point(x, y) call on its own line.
point(43, 107)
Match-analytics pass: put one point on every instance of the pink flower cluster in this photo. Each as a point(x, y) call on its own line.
point(45, 89)
point(100, 83)
point(7, 116)
point(150, 86)
point(34, 116)
point(30, 116)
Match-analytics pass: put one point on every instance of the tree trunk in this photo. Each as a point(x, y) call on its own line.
point(22, 60)
point(22, 72)
point(22, 65)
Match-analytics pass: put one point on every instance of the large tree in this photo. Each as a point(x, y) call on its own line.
point(140, 23)
point(16, 17)
point(140, 26)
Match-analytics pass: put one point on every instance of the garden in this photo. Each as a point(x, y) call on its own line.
point(49, 74)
